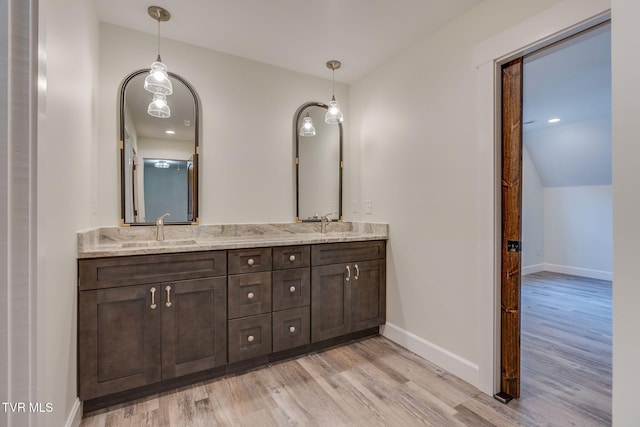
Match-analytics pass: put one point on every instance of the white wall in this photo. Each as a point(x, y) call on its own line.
point(414, 133)
point(66, 151)
point(626, 211)
point(247, 169)
point(533, 224)
point(578, 230)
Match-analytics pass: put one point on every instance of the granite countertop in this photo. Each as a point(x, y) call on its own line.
point(124, 241)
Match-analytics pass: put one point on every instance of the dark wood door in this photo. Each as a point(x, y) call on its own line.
point(330, 301)
point(118, 339)
point(511, 226)
point(194, 324)
point(368, 295)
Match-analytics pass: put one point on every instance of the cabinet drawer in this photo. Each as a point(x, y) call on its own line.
point(101, 273)
point(336, 253)
point(291, 328)
point(249, 260)
point(291, 288)
point(249, 294)
point(249, 337)
point(291, 257)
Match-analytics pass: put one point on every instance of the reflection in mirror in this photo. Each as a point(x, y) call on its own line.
point(318, 165)
point(159, 156)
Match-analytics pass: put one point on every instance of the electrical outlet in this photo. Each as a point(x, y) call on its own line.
point(368, 207)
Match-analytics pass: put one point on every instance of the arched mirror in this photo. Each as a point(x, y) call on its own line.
point(158, 156)
point(319, 164)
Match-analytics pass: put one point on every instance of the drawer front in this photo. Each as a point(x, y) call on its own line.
point(249, 260)
point(249, 294)
point(291, 288)
point(249, 337)
point(102, 273)
point(291, 328)
point(336, 253)
point(291, 257)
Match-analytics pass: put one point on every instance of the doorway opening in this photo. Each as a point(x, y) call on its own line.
point(571, 158)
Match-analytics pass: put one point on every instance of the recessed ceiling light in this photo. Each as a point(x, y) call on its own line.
point(170, 132)
point(554, 120)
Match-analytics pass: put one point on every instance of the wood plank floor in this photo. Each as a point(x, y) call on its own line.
point(566, 360)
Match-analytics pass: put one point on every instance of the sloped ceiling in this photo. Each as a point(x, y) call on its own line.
point(570, 81)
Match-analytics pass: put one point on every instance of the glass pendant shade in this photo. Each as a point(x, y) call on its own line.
point(158, 107)
point(307, 128)
point(157, 82)
point(334, 115)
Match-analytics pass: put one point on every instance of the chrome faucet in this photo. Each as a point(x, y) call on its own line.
point(323, 222)
point(160, 226)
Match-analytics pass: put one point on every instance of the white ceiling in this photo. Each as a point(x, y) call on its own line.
point(570, 81)
point(300, 35)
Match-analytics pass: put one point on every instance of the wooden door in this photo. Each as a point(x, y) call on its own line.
point(330, 301)
point(194, 324)
point(118, 339)
point(368, 291)
point(511, 226)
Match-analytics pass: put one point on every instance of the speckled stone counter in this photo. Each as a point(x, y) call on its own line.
point(124, 241)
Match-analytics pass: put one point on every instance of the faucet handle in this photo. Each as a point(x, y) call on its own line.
point(327, 217)
point(160, 219)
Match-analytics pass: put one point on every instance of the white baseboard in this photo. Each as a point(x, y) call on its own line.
point(445, 359)
point(530, 269)
point(575, 271)
point(75, 416)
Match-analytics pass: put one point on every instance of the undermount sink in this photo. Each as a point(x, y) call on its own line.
point(155, 243)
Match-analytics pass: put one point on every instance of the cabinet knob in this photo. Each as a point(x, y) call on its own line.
point(250, 295)
point(250, 261)
point(292, 329)
point(292, 289)
point(251, 338)
point(292, 258)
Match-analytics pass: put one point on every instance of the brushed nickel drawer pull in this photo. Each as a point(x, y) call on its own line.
point(153, 298)
point(250, 261)
point(348, 273)
point(168, 289)
point(292, 258)
point(357, 272)
point(250, 338)
point(292, 289)
point(292, 329)
point(250, 295)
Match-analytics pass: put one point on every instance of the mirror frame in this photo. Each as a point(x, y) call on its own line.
point(296, 133)
point(196, 167)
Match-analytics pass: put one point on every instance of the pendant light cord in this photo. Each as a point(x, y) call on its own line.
point(159, 60)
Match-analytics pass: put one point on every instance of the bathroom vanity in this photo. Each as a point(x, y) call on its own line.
point(215, 300)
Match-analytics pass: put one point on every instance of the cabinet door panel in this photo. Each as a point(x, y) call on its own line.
point(193, 326)
point(291, 257)
point(118, 340)
point(330, 302)
point(290, 328)
point(368, 295)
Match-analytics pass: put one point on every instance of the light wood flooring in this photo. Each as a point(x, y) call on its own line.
point(566, 360)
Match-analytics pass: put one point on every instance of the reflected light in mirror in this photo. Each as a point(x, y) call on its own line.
point(158, 107)
point(307, 128)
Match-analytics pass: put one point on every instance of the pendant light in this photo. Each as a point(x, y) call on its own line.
point(157, 81)
point(158, 107)
point(307, 128)
point(334, 115)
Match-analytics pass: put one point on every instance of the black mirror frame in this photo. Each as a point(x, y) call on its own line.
point(196, 166)
point(296, 135)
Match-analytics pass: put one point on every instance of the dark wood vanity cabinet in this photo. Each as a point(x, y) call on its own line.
point(147, 322)
point(135, 335)
point(348, 283)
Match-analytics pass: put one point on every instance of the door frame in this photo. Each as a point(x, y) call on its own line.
point(560, 21)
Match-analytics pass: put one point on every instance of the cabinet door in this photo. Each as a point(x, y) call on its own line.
point(118, 339)
point(330, 301)
point(194, 324)
point(368, 290)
